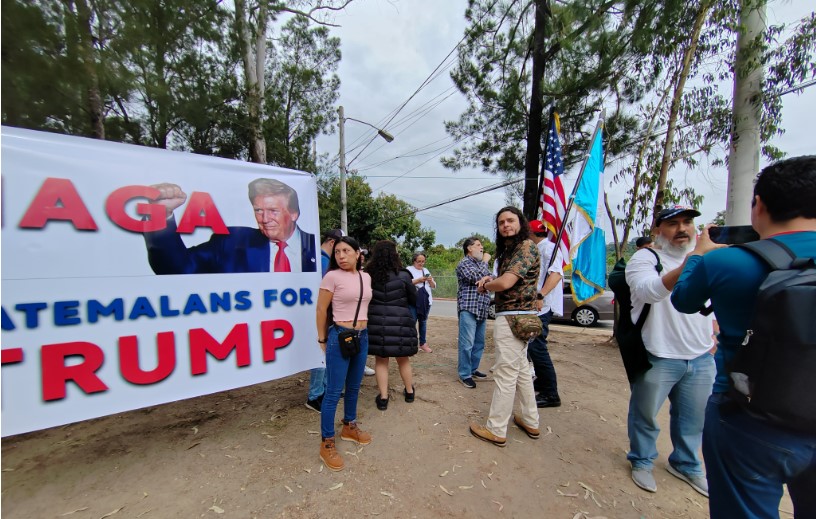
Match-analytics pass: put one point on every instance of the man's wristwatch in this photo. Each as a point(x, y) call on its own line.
point(322, 342)
point(539, 296)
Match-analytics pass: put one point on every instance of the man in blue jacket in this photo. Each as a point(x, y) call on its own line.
point(748, 460)
point(277, 245)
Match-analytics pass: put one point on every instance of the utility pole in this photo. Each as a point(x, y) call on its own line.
point(343, 211)
point(342, 126)
point(743, 155)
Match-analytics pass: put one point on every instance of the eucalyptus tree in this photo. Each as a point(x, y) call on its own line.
point(521, 57)
point(57, 71)
point(169, 47)
point(302, 88)
point(251, 26)
point(684, 117)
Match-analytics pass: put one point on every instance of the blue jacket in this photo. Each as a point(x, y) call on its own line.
point(244, 249)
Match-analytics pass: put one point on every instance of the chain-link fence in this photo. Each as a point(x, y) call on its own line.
point(446, 285)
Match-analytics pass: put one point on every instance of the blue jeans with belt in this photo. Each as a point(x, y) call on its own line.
point(341, 374)
point(748, 461)
point(687, 384)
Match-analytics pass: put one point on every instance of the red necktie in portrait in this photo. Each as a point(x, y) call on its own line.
point(281, 261)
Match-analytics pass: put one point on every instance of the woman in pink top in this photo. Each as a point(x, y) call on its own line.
point(343, 287)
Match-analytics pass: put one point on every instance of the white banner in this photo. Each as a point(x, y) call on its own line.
point(93, 325)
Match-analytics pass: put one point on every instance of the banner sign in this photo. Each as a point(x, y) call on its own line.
point(134, 276)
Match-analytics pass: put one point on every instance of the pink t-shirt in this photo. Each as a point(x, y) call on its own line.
point(345, 287)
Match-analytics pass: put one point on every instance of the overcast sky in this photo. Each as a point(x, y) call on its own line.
point(391, 48)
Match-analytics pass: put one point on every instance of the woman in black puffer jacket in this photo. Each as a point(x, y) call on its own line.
point(391, 326)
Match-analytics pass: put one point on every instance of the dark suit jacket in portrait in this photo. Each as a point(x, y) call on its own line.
point(244, 249)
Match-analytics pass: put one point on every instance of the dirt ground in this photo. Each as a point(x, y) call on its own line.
point(253, 452)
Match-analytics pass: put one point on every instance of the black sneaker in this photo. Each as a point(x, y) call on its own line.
point(478, 374)
point(548, 401)
point(468, 383)
point(314, 405)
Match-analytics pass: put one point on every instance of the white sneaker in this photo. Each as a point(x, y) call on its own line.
point(368, 371)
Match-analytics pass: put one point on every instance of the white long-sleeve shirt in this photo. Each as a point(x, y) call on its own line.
point(667, 333)
point(555, 299)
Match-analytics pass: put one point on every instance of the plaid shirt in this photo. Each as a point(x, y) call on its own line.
point(468, 272)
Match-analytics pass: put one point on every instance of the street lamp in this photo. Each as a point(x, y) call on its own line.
point(343, 203)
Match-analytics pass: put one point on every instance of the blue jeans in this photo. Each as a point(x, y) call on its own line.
point(341, 373)
point(748, 461)
point(545, 383)
point(423, 325)
point(317, 383)
point(471, 343)
point(687, 384)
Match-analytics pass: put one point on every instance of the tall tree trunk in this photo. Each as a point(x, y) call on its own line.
point(688, 57)
point(743, 155)
point(254, 74)
point(93, 97)
point(534, 129)
point(637, 177)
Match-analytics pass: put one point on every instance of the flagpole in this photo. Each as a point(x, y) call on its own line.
point(598, 127)
point(540, 191)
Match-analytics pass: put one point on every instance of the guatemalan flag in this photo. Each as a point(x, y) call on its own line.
point(588, 240)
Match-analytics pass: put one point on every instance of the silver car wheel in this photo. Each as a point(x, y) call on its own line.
point(585, 316)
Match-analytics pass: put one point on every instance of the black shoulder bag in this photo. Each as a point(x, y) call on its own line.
point(350, 339)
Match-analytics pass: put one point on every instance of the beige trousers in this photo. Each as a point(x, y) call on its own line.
point(512, 371)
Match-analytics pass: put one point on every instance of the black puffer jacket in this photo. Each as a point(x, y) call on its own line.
point(391, 328)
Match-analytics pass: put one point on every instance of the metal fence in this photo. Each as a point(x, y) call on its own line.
point(446, 285)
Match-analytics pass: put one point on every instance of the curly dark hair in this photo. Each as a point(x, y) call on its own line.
point(384, 260)
point(788, 188)
point(506, 246)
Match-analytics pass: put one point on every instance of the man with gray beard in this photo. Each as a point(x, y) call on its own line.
point(678, 346)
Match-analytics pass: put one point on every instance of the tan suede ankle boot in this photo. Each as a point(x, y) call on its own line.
point(352, 433)
point(330, 456)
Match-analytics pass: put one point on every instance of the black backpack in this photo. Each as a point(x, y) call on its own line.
point(773, 374)
point(630, 340)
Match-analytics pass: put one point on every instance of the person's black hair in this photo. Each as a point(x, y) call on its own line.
point(416, 255)
point(788, 188)
point(354, 244)
point(384, 260)
point(506, 246)
point(468, 242)
point(643, 240)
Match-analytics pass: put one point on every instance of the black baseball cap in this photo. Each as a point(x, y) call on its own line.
point(676, 210)
point(333, 234)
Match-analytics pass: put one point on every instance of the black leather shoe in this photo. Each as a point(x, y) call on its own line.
point(548, 401)
point(382, 403)
point(409, 397)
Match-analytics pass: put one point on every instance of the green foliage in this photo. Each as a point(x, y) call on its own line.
point(384, 217)
point(167, 74)
point(584, 45)
point(302, 87)
point(172, 50)
point(44, 85)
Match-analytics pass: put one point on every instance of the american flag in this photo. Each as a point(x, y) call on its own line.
point(551, 202)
